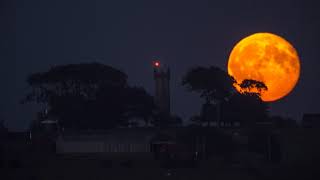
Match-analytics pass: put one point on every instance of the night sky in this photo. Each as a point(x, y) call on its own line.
point(36, 34)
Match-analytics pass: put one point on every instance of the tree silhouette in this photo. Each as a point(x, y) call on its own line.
point(74, 79)
point(213, 84)
point(140, 105)
point(249, 86)
point(86, 96)
point(222, 101)
point(246, 106)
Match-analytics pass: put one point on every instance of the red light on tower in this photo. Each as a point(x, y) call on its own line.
point(156, 64)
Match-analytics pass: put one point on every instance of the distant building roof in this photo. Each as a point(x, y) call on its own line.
point(48, 121)
point(125, 135)
point(311, 120)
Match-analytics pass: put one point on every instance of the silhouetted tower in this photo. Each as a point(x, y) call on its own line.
point(162, 87)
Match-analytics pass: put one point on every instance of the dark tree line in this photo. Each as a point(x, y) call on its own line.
point(90, 96)
point(222, 101)
point(97, 96)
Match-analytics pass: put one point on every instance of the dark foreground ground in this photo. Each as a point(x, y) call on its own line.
point(117, 173)
point(300, 160)
point(139, 173)
point(54, 167)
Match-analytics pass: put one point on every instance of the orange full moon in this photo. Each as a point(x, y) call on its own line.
point(267, 58)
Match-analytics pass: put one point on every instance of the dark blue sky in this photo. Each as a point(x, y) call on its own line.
point(127, 34)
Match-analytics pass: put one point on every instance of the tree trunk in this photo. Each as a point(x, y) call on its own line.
point(218, 114)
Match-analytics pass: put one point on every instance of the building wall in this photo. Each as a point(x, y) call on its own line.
point(79, 147)
point(300, 145)
point(99, 147)
point(162, 90)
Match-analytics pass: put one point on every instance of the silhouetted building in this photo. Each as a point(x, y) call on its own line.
point(127, 140)
point(162, 87)
point(130, 142)
point(311, 120)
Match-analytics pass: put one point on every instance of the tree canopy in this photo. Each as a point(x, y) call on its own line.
point(140, 105)
point(83, 80)
point(245, 108)
point(88, 96)
point(249, 86)
point(217, 88)
point(212, 83)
